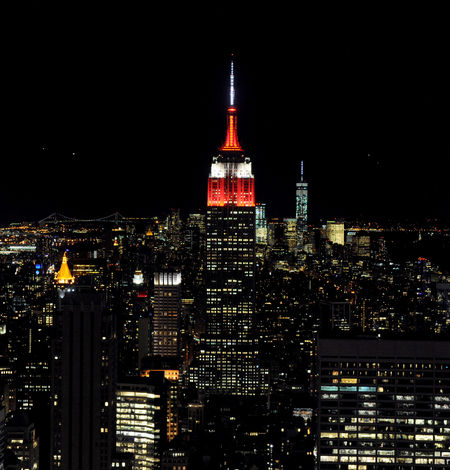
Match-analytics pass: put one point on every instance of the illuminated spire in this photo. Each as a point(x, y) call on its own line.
point(301, 172)
point(64, 275)
point(231, 141)
point(232, 85)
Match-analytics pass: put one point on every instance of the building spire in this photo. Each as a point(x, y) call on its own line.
point(64, 275)
point(232, 83)
point(301, 172)
point(231, 141)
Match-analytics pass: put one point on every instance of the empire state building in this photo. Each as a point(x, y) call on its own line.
point(228, 361)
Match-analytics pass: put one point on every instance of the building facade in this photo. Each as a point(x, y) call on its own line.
point(22, 441)
point(261, 223)
point(83, 380)
point(140, 421)
point(383, 404)
point(335, 232)
point(166, 317)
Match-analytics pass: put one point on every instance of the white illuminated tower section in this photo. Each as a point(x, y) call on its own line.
point(301, 205)
point(229, 350)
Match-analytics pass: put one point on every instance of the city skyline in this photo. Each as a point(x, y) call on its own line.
point(271, 289)
point(363, 104)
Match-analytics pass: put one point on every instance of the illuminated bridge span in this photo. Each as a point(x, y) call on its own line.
point(57, 218)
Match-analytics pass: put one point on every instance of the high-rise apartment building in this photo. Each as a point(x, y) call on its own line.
point(166, 317)
point(83, 381)
point(169, 368)
point(228, 361)
point(383, 404)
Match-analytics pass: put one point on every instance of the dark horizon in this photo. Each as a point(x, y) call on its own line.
point(122, 111)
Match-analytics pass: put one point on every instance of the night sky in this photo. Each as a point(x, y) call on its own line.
point(117, 108)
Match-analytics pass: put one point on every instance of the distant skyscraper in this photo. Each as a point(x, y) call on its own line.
point(301, 203)
point(361, 245)
point(228, 360)
point(335, 232)
point(166, 317)
point(290, 233)
point(383, 404)
point(261, 223)
point(84, 377)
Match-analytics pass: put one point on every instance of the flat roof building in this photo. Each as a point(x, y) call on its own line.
point(383, 404)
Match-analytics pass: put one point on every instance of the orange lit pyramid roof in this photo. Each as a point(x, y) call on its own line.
point(64, 275)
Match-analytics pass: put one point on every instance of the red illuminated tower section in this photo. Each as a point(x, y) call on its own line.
point(231, 142)
point(231, 181)
point(228, 361)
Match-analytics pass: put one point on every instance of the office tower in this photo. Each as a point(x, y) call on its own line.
point(290, 233)
point(361, 245)
point(141, 420)
point(2, 437)
point(276, 233)
point(134, 328)
point(335, 232)
point(22, 441)
point(229, 349)
point(83, 381)
point(383, 404)
point(166, 317)
point(301, 204)
point(336, 316)
point(169, 368)
point(197, 220)
point(261, 223)
point(8, 392)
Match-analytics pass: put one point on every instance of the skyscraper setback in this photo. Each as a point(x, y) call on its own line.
point(229, 349)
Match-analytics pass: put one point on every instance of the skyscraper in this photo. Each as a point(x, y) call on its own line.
point(166, 317)
point(335, 232)
point(229, 349)
point(84, 370)
point(301, 205)
point(261, 223)
point(141, 420)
